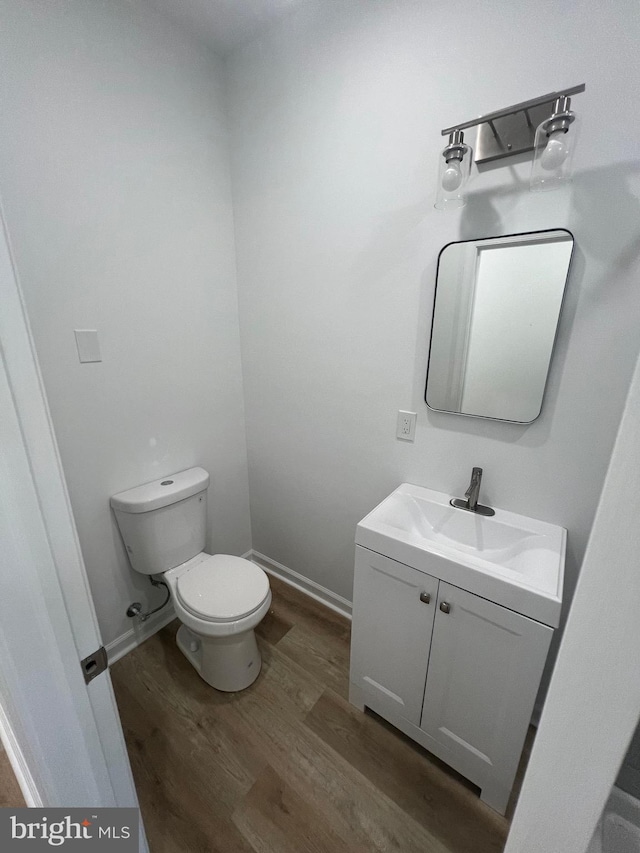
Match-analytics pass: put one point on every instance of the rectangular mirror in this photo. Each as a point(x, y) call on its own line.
point(496, 311)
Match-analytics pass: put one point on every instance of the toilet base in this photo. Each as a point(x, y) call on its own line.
point(228, 663)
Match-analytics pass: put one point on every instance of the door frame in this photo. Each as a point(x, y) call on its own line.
point(62, 736)
point(593, 702)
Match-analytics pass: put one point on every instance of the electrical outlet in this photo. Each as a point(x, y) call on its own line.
point(406, 428)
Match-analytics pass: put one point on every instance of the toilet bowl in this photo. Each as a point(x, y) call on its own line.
point(218, 598)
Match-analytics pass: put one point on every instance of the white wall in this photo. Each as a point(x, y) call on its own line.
point(115, 180)
point(336, 117)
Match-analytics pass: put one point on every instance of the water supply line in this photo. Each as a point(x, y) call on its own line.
point(135, 609)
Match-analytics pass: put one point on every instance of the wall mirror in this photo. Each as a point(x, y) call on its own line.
point(496, 311)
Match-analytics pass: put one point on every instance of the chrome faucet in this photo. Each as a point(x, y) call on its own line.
point(474, 489)
point(471, 503)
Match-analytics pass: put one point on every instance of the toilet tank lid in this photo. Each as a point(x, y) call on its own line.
point(159, 493)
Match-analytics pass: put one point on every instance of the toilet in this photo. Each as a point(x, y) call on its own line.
point(219, 599)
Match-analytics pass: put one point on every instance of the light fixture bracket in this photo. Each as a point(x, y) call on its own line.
point(456, 149)
point(559, 121)
point(512, 129)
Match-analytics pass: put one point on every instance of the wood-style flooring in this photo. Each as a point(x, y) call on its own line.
point(286, 766)
point(10, 793)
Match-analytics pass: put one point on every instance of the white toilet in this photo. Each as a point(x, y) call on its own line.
point(219, 599)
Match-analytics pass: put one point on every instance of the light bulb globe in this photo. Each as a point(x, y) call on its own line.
point(452, 177)
point(555, 153)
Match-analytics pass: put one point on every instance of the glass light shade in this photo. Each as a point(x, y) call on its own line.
point(452, 178)
point(553, 156)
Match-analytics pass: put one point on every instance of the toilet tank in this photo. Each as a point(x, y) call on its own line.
point(163, 524)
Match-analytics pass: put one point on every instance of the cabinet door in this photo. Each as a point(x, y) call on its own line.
point(484, 670)
point(391, 632)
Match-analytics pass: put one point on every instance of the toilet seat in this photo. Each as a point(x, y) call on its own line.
point(222, 588)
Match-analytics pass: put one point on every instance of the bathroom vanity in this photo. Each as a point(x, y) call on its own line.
point(453, 614)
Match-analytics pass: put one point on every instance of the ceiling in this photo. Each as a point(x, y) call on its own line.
point(225, 24)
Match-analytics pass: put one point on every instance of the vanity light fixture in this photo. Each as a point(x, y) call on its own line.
point(545, 125)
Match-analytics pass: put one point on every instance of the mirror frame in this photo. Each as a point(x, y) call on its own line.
point(555, 337)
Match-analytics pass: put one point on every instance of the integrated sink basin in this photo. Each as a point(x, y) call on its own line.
point(507, 558)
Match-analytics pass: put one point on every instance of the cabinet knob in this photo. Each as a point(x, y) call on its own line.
point(446, 608)
point(425, 597)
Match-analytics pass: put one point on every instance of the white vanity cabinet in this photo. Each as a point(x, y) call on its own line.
point(393, 612)
point(457, 673)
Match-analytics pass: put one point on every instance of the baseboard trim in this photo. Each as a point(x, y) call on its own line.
point(140, 632)
point(314, 590)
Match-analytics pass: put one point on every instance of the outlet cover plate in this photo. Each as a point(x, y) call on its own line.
point(406, 427)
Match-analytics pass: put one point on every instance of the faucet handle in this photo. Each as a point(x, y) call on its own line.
point(474, 485)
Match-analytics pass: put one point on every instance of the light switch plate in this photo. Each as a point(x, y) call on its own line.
point(88, 345)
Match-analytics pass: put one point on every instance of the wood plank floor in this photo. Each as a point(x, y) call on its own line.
point(10, 793)
point(286, 766)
